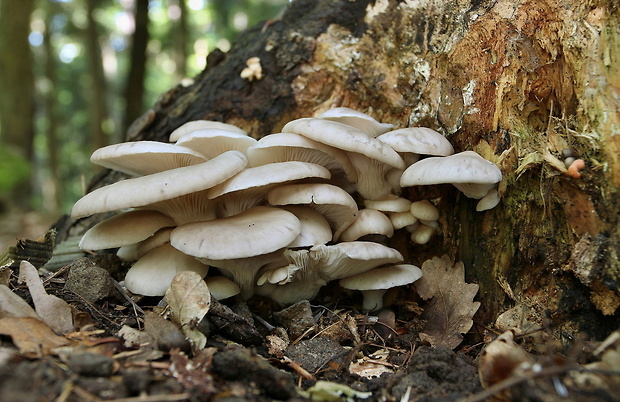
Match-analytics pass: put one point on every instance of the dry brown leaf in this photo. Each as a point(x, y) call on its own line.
point(54, 311)
point(30, 335)
point(449, 313)
point(189, 299)
point(500, 359)
point(12, 305)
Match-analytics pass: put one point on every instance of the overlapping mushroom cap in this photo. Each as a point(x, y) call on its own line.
point(278, 216)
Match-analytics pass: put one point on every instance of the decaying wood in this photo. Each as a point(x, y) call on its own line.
point(518, 82)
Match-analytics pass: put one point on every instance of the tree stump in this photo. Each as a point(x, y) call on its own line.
point(517, 82)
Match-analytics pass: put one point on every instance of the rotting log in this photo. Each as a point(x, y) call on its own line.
point(518, 82)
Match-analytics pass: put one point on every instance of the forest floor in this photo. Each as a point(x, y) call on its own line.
point(120, 347)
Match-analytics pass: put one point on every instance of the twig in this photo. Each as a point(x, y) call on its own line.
point(120, 290)
point(517, 379)
point(300, 370)
point(154, 398)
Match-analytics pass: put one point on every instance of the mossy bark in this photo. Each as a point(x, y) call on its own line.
point(518, 82)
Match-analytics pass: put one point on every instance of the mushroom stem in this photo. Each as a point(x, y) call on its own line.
point(373, 299)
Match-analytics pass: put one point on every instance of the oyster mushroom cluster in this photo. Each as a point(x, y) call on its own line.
point(277, 216)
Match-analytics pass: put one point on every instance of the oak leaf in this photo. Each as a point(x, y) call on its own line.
point(449, 313)
point(189, 299)
point(30, 335)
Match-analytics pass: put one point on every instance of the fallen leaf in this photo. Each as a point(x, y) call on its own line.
point(331, 391)
point(189, 299)
point(501, 359)
point(30, 335)
point(54, 311)
point(449, 313)
point(372, 366)
point(12, 305)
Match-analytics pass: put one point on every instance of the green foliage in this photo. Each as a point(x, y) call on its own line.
point(13, 169)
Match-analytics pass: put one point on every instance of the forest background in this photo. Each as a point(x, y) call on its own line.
point(74, 74)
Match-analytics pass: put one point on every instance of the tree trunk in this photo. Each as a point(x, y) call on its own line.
point(516, 82)
point(16, 86)
point(180, 32)
point(134, 87)
point(53, 195)
point(97, 92)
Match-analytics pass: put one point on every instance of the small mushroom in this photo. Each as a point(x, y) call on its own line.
point(356, 119)
point(124, 229)
point(213, 142)
point(335, 204)
point(422, 233)
point(309, 270)
point(424, 210)
point(469, 172)
point(389, 203)
point(414, 141)
point(401, 219)
point(283, 147)
point(145, 157)
point(221, 287)
point(368, 222)
point(370, 157)
point(248, 188)
point(374, 283)
point(202, 125)
point(152, 274)
point(489, 201)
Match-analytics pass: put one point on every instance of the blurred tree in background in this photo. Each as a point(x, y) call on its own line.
point(76, 73)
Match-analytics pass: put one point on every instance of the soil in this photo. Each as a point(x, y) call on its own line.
point(125, 350)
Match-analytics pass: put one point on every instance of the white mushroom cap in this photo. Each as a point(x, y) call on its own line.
point(376, 282)
point(389, 203)
point(124, 229)
point(202, 125)
point(145, 190)
point(368, 221)
point(424, 210)
point(489, 201)
point(248, 187)
point(344, 137)
point(422, 234)
point(259, 230)
point(467, 171)
point(315, 228)
point(371, 158)
point(335, 204)
point(357, 119)
point(221, 287)
point(349, 258)
point(243, 271)
point(213, 142)
point(152, 274)
point(135, 251)
point(282, 147)
point(401, 219)
point(311, 269)
point(145, 157)
point(417, 140)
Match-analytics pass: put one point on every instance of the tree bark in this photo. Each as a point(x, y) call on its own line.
point(518, 82)
point(98, 90)
point(134, 87)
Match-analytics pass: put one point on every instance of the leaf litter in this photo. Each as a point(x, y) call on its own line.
point(383, 356)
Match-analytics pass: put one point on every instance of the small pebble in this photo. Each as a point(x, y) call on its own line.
point(296, 319)
point(89, 280)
